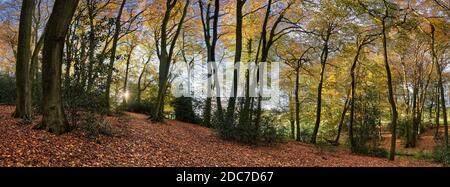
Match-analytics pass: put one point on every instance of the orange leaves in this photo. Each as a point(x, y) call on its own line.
point(172, 144)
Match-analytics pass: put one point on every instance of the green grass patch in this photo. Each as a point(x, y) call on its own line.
point(421, 155)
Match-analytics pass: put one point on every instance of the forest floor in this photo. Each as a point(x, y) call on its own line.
point(425, 143)
point(138, 142)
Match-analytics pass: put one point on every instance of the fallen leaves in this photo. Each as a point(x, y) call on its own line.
point(176, 144)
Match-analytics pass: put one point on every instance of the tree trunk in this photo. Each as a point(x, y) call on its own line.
point(394, 114)
point(139, 92)
point(323, 61)
point(207, 112)
point(411, 140)
point(352, 101)
point(82, 59)
point(319, 106)
point(92, 44)
point(211, 42)
point(54, 119)
point(292, 114)
point(438, 111)
point(23, 102)
point(267, 43)
point(165, 55)
point(125, 81)
point(113, 57)
point(34, 67)
point(297, 101)
point(341, 121)
point(69, 57)
point(39, 42)
point(164, 66)
point(139, 86)
point(237, 59)
point(430, 109)
point(207, 36)
point(215, 38)
point(441, 88)
point(244, 117)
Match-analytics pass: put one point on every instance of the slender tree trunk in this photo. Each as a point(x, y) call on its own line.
point(211, 42)
point(218, 98)
point(291, 115)
point(244, 118)
point(441, 88)
point(23, 102)
point(165, 55)
point(319, 105)
point(297, 101)
point(113, 56)
point(423, 96)
point(323, 61)
point(54, 119)
point(430, 109)
point(352, 101)
point(438, 111)
point(237, 59)
point(267, 42)
point(215, 38)
point(207, 112)
point(39, 42)
point(125, 81)
point(34, 66)
point(411, 140)
point(78, 66)
point(207, 36)
point(91, 6)
point(139, 86)
point(139, 93)
point(82, 59)
point(342, 120)
point(69, 58)
point(394, 114)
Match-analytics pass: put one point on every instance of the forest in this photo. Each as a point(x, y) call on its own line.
point(220, 83)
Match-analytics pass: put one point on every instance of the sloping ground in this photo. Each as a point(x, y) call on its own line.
point(425, 143)
point(140, 143)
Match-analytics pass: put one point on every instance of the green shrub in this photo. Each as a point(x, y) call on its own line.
point(77, 102)
point(270, 130)
point(89, 126)
point(93, 126)
point(37, 93)
point(76, 98)
point(7, 89)
point(144, 107)
point(306, 134)
point(225, 130)
point(367, 125)
point(440, 154)
point(422, 155)
point(85, 109)
point(246, 133)
point(403, 127)
point(184, 110)
point(371, 151)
